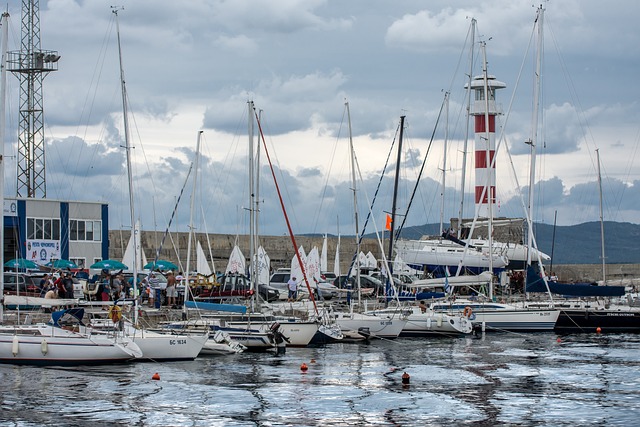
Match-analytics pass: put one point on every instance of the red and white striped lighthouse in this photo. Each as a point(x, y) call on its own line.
point(485, 141)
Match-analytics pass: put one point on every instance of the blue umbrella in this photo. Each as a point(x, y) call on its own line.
point(61, 263)
point(109, 264)
point(20, 263)
point(160, 264)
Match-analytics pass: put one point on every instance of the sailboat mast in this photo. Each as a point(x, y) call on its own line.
point(489, 162)
point(191, 205)
point(604, 271)
point(395, 195)
point(252, 271)
point(534, 133)
point(444, 161)
point(4, 22)
point(132, 208)
point(256, 265)
point(355, 201)
point(466, 136)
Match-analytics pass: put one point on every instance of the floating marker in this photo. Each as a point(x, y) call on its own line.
point(598, 330)
point(156, 377)
point(304, 367)
point(406, 378)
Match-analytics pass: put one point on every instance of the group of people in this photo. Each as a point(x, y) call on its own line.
point(52, 287)
point(112, 287)
point(151, 283)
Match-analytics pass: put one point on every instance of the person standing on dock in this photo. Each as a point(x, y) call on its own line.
point(293, 289)
point(171, 289)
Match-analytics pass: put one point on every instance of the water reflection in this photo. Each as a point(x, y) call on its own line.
point(511, 379)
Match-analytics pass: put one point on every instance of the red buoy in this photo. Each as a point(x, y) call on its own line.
point(304, 367)
point(598, 330)
point(312, 361)
point(559, 340)
point(405, 378)
point(156, 376)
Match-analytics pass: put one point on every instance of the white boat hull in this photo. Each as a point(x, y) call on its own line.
point(254, 338)
point(157, 346)
point(504, 317)
point(299, 334)
point(446, 253)
point(378, 326)
point(47, 345)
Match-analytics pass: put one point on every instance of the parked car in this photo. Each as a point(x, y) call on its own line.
point(237, 287)
point(21, 283)
point(366, 281)
point(322, 290)
point(328, 276)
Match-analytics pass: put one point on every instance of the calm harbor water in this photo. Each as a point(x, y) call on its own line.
point(494, 379)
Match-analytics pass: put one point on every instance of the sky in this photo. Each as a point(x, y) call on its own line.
point(195, 65)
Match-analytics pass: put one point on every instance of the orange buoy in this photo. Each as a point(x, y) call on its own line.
point(304, 367)
point(156, 376)
point(598, 330)
point(405, 378)
point(559, 340)
point(312, 361)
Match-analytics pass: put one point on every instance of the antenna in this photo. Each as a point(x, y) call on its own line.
point(31, 64)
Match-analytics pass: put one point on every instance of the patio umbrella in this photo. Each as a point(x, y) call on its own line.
point(160, 264)
point(109, 264)
point(20, 263)
point(61, 264)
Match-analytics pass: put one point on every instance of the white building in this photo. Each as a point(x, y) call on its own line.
point(44, 229)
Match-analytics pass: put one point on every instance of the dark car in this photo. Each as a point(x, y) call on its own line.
point(366, 281)
point(21, 283)
point(237, 287)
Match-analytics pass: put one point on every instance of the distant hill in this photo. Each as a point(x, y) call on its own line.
point(574, 244)
point(580, 244)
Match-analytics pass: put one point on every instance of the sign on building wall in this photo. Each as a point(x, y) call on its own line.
point(43, 251)
point(10, 207)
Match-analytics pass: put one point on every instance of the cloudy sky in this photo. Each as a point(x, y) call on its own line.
point(194, 65)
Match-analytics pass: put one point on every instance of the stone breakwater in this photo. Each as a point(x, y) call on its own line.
point(280, 250)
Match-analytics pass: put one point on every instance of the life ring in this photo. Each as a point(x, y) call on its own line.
point(115, 313)
point(468, 312)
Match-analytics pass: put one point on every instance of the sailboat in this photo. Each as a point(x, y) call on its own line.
point(154, 345)
point(420, 320)
point(486, 311)
point(585, 307)
point(64, 340)
point(387, 325)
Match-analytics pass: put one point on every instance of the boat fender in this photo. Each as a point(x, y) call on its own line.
point(44, 347)
point(439, 320)
point(15, 346)
point(115, 313)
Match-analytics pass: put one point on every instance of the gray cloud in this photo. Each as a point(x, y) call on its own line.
point(300, 61)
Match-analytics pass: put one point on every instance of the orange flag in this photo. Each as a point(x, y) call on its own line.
point(388, 224)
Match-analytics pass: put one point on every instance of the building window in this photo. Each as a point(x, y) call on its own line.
point(89, 230)
point(43, 229)
point(80, 262)
point(81, 230)
point(97, 231)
